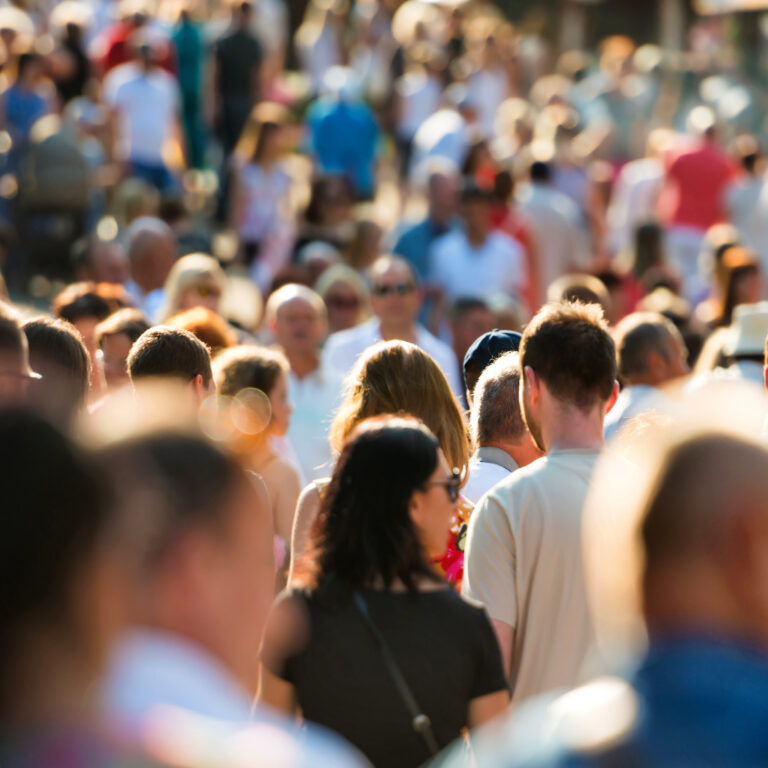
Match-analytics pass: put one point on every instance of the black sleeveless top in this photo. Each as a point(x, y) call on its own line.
point(444, 646)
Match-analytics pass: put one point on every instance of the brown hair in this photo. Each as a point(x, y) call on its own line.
point(397, 377)
point(248, 367)
point(163, 351)
point(569, 347)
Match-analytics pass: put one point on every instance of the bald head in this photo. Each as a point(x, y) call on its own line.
point(151, 249)
point(297, 317)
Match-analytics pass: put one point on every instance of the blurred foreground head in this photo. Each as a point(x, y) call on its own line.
point(203, 554)
point(688, 554)
point(61, 601)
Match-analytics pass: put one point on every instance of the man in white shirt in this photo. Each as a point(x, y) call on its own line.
point(146, 101)
point(502, 442)
point(560, 239)
point(396, 299)
point(523, 557)
point(476, 260)
point(297, 318)
point(650, 353)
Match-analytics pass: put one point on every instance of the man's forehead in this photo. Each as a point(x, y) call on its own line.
point(297, 304)
point(392, 272)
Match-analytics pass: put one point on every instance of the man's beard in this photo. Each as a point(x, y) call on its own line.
point(530, 422)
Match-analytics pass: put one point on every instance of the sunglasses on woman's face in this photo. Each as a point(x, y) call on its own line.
point(452, 485)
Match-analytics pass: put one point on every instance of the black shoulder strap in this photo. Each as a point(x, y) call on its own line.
point(420, 722)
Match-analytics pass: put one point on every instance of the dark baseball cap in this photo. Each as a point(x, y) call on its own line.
point(484, 350)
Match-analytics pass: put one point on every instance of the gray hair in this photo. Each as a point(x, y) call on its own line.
point(496, 403)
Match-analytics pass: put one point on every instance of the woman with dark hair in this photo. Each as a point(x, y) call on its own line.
point(375, 645)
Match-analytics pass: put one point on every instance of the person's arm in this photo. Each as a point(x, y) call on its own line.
point(485, 708)
point(490, 570)
point(505, 635)
point(286, 634)
point(306, 512)
point(285, 504)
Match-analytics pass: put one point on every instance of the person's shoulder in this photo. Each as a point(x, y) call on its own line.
point(505, 242)
point(350, 336)
point(432, 345)
point(451, 240)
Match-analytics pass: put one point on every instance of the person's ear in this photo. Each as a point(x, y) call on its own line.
point(199, 389)
point(416, 509)
point(533, 382)
point(614, 396)
point(765, 376)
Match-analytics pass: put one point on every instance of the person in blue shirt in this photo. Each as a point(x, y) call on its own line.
point(692, 557)
point(344, 133)
point(441, 178)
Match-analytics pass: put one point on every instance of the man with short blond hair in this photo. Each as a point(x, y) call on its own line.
point(523, 559)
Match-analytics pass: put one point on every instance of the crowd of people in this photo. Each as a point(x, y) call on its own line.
point(378, 385)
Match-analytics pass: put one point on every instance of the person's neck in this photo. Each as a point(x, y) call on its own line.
point(521, 453)
point(50, 683)
point(399, 331)
point(145, 284)
point(688, 597)
point(303, 363)
point(439, 219)
point(569, 428)
point(477, 237)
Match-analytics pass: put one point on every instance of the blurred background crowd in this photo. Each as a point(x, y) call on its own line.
point(307, 216)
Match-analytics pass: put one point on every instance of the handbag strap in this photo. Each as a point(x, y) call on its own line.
point(419, 721)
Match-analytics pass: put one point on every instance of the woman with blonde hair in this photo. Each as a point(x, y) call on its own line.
point(196, 280)
point(397, 377)
point(346, 297)
point(257, 378)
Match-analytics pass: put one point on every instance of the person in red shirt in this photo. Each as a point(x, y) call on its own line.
point(692, 198)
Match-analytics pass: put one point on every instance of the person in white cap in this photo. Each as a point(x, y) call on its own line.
point(745, 347)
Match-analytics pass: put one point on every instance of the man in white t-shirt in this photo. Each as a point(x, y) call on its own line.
point(396, 300)
point(523, 558)
point(297, 318)
point(502, 442)
point(476, 260)
point(146, 101)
